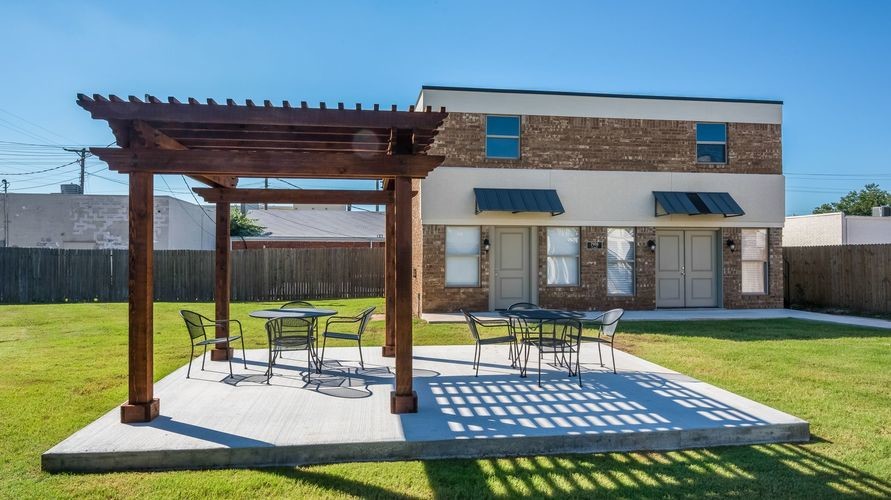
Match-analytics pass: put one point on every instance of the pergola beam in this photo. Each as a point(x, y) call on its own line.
point(268, 163)
point(296, 196)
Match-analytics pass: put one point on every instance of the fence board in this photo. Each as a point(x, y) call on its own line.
point(854, 277)
point(41, 275)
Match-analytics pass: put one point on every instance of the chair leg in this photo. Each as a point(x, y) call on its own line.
point(308, 363)
point(230, 361)
point(269, 366)
point(599, 355)
point(322, 360)
point(361, 360)
point(203, 357)
point(476, 360)
point(612, 350)
point(243, 353)
point(191, 356)
point(539, 366)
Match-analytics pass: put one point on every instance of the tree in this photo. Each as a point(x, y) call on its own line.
point(242, 225)
point(858, 202)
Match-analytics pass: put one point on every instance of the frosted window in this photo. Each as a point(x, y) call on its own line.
point(563, 256)
point(462, 263)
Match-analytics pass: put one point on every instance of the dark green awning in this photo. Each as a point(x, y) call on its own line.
point(518, 200)
point(696, 203)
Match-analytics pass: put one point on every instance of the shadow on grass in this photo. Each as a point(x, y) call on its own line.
point(754, 471)
point(753, 329)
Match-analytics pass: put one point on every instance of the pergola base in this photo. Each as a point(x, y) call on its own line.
point(221, 354)
point(388, 351)
point(133, 413)
point(404, 404)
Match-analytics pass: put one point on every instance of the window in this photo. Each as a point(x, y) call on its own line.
point(620, 261)
point(462, 264)
point(754, 261)
point(563, 256)
point(711, 143)
point(503, 137)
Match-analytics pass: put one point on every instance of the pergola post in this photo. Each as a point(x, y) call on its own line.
point(141, 404)
point(222, 279)
point(404, 399)
point(389, 348)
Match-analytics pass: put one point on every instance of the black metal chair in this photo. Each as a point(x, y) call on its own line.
point(361, 320)
point(291, 334)
point(197, 326)
point(570, 339)
point(474, 324)
point(298, 304)
point(606, 334)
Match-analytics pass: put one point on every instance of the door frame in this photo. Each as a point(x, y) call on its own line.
point(534, 272)
point(719, 263)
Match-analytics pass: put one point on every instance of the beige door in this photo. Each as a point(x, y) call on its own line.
point(511, 273)
point(669, 269)
point(700, 282)
point(686, 269)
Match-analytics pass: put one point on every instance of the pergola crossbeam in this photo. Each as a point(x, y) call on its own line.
point(296, 196)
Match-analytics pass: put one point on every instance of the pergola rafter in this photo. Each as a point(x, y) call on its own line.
point(216, 144)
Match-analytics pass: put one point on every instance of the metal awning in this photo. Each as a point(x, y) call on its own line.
point(518, 200)
point(696, 203)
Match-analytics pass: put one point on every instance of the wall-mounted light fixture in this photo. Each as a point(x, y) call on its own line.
point(651, 245)
point(731, 245)
point(486, 245)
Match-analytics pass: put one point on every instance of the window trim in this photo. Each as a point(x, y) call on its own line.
point(577, 255)
point(633, 263)
point(446, 255)
point(765, 262)
point(725, 143)
point(498, 136)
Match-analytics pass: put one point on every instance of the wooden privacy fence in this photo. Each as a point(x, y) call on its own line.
point(29, 275)
point(855, 277)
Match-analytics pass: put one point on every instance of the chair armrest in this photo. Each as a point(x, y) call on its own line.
point(341, 319)
point(219, 322)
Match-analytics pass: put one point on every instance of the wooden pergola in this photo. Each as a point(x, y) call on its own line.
point(217, 144)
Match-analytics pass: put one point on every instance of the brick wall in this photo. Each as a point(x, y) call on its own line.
point(591, 293)
point(732, 281)
point(611, 144)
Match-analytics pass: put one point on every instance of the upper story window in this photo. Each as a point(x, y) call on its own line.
point(711, 143)
point(503, 137)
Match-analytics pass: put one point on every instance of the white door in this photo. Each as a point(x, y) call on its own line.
point(700, 269)
point(511, 273)
point(686, 268)
point(669, 269)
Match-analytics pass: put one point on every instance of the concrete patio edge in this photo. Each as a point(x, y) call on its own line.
point(278, 456)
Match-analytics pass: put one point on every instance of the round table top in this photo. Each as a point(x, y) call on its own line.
point(292, 312)
point(546, 314)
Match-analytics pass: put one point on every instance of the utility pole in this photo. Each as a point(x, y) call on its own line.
point(5, 185)
point(266, 186)
point(83, 159)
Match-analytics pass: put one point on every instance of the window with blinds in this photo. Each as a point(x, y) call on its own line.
point(563, 256)
point(620, 261)
point(754, 260)
point(462, 263)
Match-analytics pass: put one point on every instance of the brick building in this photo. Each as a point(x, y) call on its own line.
point(591, 201)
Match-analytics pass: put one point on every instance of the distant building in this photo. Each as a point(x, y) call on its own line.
point(838, 229)
point(319, 228)
point(78, 221)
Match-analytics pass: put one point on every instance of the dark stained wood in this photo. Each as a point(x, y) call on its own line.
point(103, 109)
point(298, 196)
point(141, 405)
point(222, 278)
point(268, 163)
point(403, 399)
point(389, 348)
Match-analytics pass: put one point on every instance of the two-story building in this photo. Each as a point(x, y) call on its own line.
point(593, 201)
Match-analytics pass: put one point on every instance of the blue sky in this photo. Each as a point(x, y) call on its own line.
point(827, 60)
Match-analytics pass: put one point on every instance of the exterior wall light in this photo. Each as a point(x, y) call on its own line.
point(486, 245)
point(731, 245)
point(651, 245)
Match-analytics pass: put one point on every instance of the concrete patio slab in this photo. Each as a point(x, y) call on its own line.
point(343, 415)
point(704, 314)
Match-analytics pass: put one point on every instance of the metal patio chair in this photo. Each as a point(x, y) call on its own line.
point(197, 326)
point(474, 324)
point(291, 334)
point(361, 320)
point(606, 333)
point(297, 304)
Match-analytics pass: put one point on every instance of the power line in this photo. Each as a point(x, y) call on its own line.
point(196, 199)
point(44, 170)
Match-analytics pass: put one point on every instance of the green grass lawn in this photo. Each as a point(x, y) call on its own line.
point(62, 366)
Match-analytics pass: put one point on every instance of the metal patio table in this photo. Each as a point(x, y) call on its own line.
point(542, 316)
point(310, 313)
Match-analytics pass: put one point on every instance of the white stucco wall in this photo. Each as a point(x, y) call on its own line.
point(555, 104)
point(814, 230)
point(99, 221)
point(599, 198)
